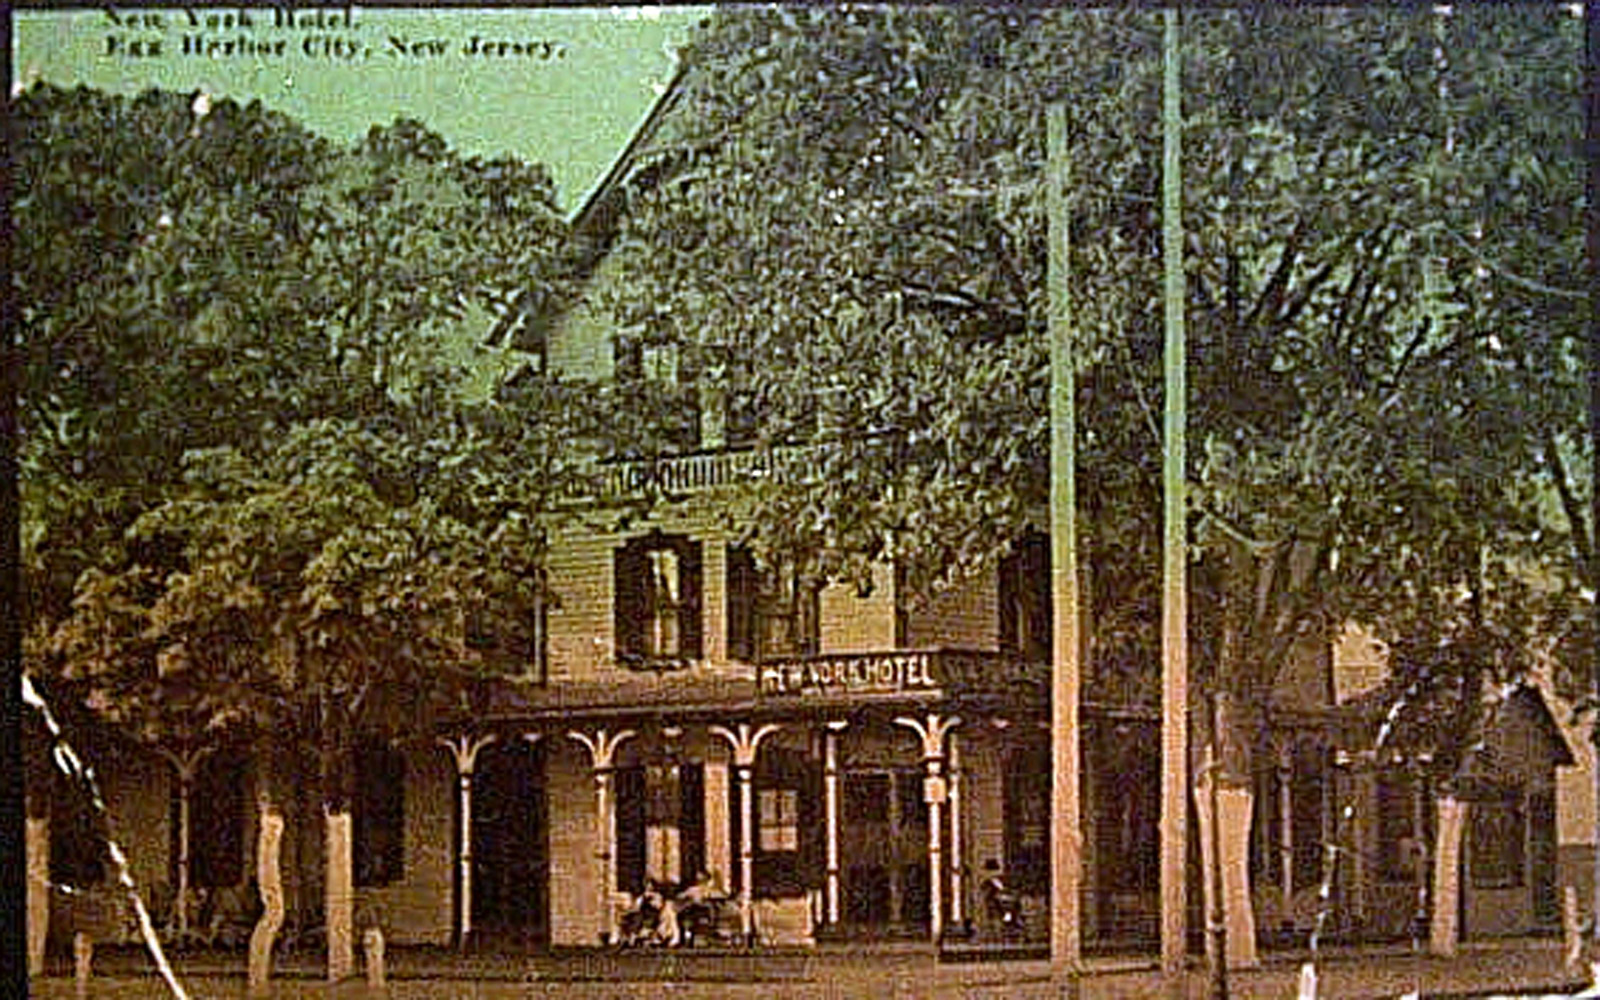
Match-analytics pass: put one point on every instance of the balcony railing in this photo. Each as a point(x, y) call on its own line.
point(711, 470)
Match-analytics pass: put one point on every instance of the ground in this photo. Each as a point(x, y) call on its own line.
point(1481, 970)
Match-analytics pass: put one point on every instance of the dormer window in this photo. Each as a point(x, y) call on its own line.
point(636, 360)
point(658, 601)
point(659, 362)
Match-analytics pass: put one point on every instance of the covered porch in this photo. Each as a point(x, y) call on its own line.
point(832, 796)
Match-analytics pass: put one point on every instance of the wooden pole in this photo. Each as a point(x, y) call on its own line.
point(1591, 19)
point(185, 861)
point(1066, 841)
point(1174, 573)
point(1217, 911)
point(14, 949)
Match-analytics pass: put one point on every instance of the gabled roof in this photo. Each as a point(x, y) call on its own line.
point(1357, 723)
point(598, 212)
point(1545, 719)
point(593, 227)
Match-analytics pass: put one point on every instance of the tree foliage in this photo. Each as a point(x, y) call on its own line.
point(272, 472)
point(1383, 259)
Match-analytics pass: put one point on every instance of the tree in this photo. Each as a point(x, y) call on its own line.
point(1367, 327)
point(316, 511)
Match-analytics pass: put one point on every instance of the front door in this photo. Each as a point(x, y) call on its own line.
point(883, 849)
point(510, 868)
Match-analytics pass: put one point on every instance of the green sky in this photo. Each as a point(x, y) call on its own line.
point(570, 104)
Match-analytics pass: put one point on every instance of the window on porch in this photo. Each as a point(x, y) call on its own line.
point(1027, 814)
point(1402, 845)
point(378, 814)
point(1309, 784)
point(657, 605)
point(788, 818)
point(780, 819)
point(1543, 855)
point(659, 798)
point(1498, 840)
point(1127, 822)
point(77, 854)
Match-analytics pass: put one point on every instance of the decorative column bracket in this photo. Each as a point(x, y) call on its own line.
point(465, 749)
point(187, 766)
point(935, 792)
point(745, 742)
point(602, 747)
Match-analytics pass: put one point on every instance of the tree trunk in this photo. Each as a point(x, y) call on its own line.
point(339, 847)
point(38, 781)
point(1237, 805)
point(38, 860)
point(339, 894)
point(1445, 934)
point(269, 873)
point(1235, 801)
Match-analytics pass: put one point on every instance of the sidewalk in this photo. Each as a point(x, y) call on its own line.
point(1518, 967)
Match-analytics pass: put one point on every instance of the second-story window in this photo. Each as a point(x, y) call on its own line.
point(1024, 599)
point(771, 613)
point(658, 600)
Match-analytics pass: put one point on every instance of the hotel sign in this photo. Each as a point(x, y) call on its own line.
point(899, 673)
point(888, 673)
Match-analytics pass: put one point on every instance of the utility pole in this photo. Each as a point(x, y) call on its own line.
point(1174, 570)
point(1591, 61)
point(1066, 840)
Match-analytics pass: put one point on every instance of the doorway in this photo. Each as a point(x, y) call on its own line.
point(510, 852)
point(883, 839)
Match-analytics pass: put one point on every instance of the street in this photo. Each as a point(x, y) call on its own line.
point(1513, 967)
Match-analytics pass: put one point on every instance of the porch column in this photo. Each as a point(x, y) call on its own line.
point(602, 747)
point(718, 795)
point(957, 859)
point(745, 742)
point(185, 767)
point(465, 750)
point(663, 843)
point(830, 791)
point(935, 791)
point(1419, 826)
point(1445, 931)
point(1286, 824)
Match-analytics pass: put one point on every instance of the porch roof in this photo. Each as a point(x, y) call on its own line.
point(796, 686)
